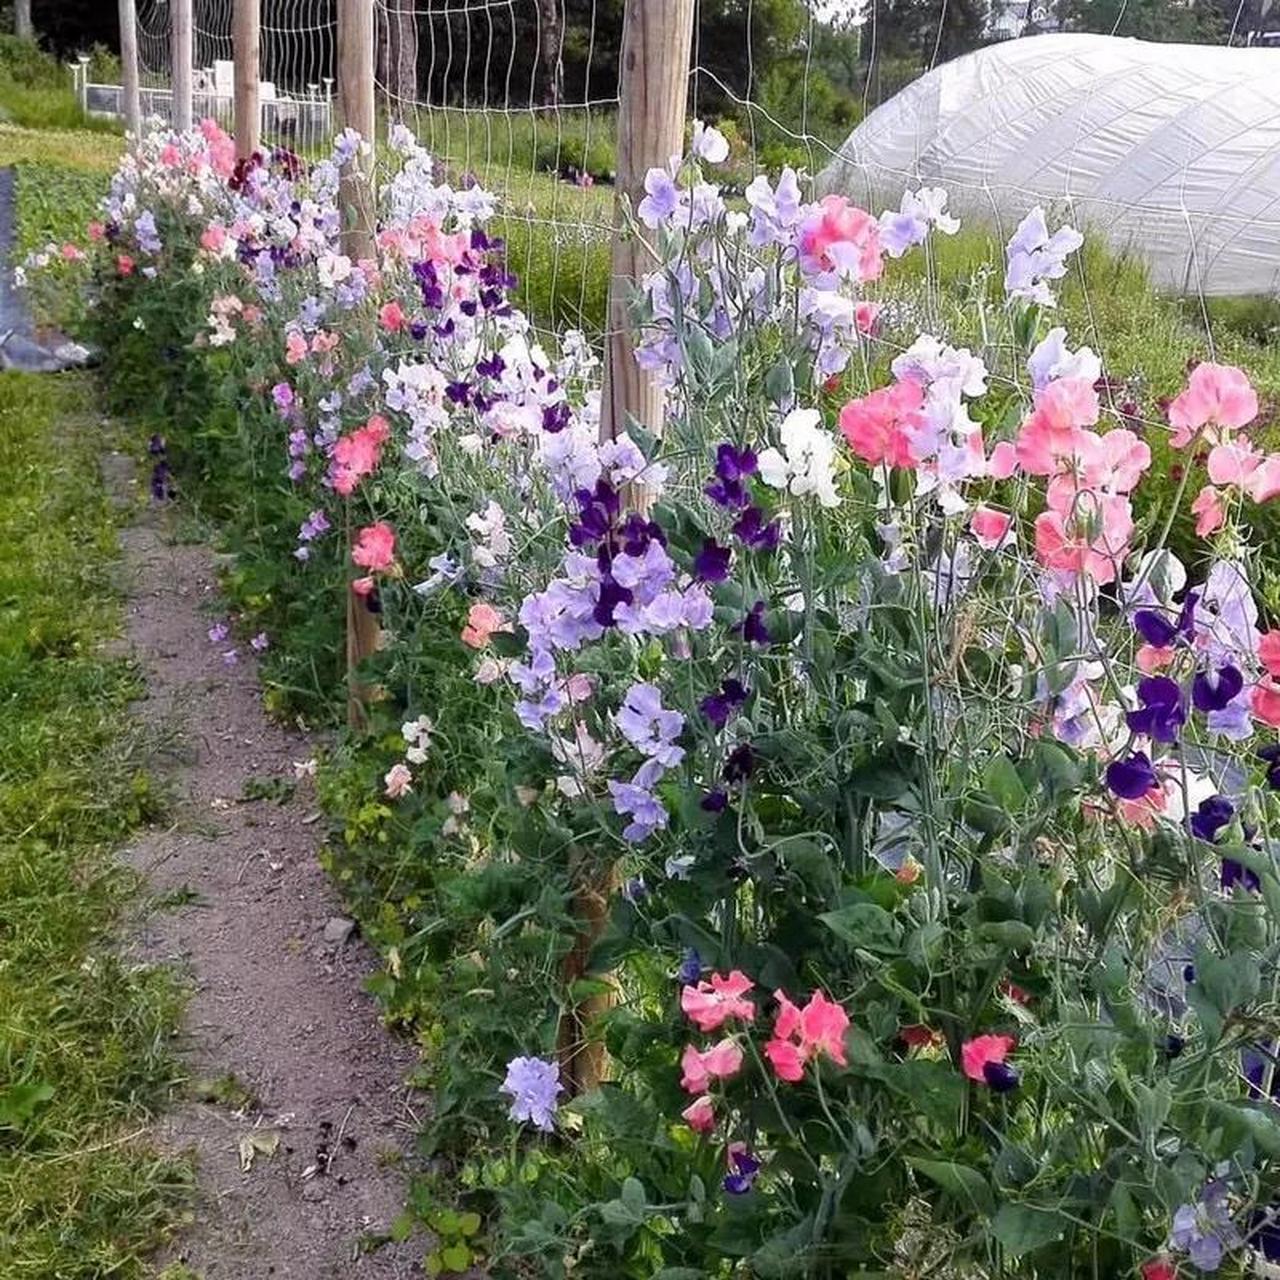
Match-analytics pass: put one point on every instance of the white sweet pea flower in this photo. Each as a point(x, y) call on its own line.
point(709, 143)
point(804, 465)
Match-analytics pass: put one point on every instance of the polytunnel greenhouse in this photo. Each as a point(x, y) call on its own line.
point(1168, 151)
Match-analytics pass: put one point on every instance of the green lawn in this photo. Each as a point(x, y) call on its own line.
point(83, 1031)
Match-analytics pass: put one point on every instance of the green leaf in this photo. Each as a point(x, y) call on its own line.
point(18, 1103)
point(960, 1181)
point(633, 1196)
point(1246, 1121)
point(1002, 784)
point(1021, 1228)
point(468, 1224)
point(865, 925)
point(457, 1257)
point(1012, 935)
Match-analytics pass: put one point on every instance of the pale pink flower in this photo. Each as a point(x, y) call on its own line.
point(391, 317)
point(700, 1115)
point(482, 621)
point(1209, 511)
point(399, 781)
point(990, 527)
point(1217, 395)
point(295, 347)
point(839, 237)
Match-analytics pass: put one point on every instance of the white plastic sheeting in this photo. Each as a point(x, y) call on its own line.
point(1169, 151)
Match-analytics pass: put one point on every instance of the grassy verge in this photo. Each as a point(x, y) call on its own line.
point(83, 1033)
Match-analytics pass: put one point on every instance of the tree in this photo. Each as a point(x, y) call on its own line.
point(1181, 21)
point(924, 31)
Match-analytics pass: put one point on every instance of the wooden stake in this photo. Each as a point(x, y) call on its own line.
point(657, 36)
point(247, 50)
point(355, 100)
point(130, 95)
point(22, 27)
point(180, 58)
point(355, 97)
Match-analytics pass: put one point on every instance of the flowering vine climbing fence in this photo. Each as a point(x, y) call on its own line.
point(938, 759)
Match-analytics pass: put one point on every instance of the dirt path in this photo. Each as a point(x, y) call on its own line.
point(278, 1014)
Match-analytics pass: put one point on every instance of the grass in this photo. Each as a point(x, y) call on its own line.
point(35, 91)
point(83, 1032)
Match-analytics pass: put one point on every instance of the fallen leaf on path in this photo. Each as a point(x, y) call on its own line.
point(263, 1142)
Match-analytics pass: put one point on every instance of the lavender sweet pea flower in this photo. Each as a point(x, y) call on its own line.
point(1204, 1230)
point(533, 1085)
point(1034, 257)
point(650, 727)
point(636, 800)
point(661, 200)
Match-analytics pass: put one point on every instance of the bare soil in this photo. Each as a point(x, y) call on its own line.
point(292, 1074)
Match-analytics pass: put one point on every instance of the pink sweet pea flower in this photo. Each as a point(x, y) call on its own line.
point(1264, 483)
point(880, 426)
point(295, 347)
point(124, 264)
point(363, 586)
point(398, 781)
point(482, 621)
point(1052, 434)
point(975, 1054)
point(1085, 533)
point(1217, 395)
point(839, 237)
point(72, 252)
point(1003, 461)
point(1265, 702)
point(1269, 652)
point(375, 547)
point(990, 527)
point(865, 317)
point(700, 1115)
point(1209, 511)
point(800, 1035)
point(96, 231)
point(709, 1004)
point(1152, 658)
point(391, 317)
point(720, 1062)
point(1232, 463)
point(356, 455)
point(213, 237)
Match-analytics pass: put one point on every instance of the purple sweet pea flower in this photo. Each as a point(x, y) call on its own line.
point(690, 968)
point(752, 529)
point(711, 564)
point(661, 199)
point(718, 707)
point(649, 726)
point(1270, 756)
point(1212, 690)
point(1162, 712)
point(740, 765)
point(745, 1168)
point(752, 626)
point(1211, 815)
point(733, 467)
point(1132, 777)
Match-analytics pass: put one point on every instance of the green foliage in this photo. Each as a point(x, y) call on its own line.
point(82, 1045)
point(35, 90)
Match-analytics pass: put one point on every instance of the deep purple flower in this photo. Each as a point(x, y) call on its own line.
point(418, 329)
point(733, 466)
point(718, 707)
point(1258, 1062)
point(156, 446)
point(711, 564)
point(755, 532)
point(637, 533)
point(752, 626)
point(1212, 690)
point(740, 765)
point(745, 1168)
point(1210, 817)
point(1002, 1077)
point(714, 801)
point(555, 417)
point(1173, 1045)
point(1270, 754)
point(690, 968)
point(611, 596)
point(1132, 777)
point(1236, 873)
point(161, 477)
point(1162, 713)
point(459, 392)
point(492, 367)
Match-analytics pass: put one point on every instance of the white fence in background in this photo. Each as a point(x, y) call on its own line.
point(300, 121)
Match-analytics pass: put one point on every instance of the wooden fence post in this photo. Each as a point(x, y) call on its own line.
point(355, 98)
point(130, 95)
point(22, 27)
point(657, 36)
point(180, 60)
point(246, 47)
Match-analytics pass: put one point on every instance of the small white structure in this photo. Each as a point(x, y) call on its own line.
point(1169, 151)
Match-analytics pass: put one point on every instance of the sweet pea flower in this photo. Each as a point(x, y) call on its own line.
point(804, 464)
point(482, 621)
point(1217, 395)
point(883, 425)
point(800, 1035)
point(909, 224)
point(1209, 511)
point(398, 781)
point(839, 239)
point(991, 528)
point(709, 143)
point(709, 1004)
point(533, 1085)
point(721, 1062)
point(391, 317)
point(700, 1115)
point(1034, 257)
point(983, 1060)
point(375, 547)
